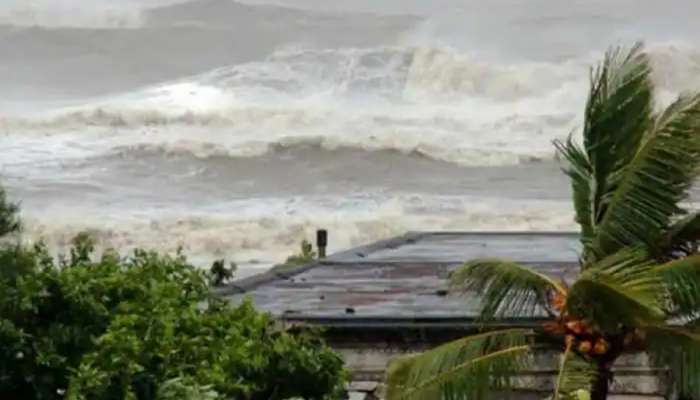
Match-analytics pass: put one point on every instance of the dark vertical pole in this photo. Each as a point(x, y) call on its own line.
point(601, 383)
point(321, 242)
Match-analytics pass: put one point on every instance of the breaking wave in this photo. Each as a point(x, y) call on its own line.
point(436, 102)
point(264, 238)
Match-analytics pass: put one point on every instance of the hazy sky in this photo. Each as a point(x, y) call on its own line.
point(88, 13)
point(97, 12)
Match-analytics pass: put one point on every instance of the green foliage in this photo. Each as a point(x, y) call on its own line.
point(307, 255)
point(617, 116)
point(635, 166)
point(9, 219)
point(507, 289)
point(82, 249)
point(656, 180)
point(575, 374)
point(622, 290)
point(185, 389)
point(682, 279)
point(219, 273)
point(143, 327)
point(682, 237)
point(678, 348)
point(468, 368)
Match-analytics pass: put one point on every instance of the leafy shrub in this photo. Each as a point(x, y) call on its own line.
point(219, 273)
point(9, 220)
point(306, 255)
point(143, 327)
point(185, 389)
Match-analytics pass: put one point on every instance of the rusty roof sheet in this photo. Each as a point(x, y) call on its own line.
point(404, 278)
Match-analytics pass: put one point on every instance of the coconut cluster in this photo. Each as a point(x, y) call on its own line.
point(586, 341)
point(583, 337)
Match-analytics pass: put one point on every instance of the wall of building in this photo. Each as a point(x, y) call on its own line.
point(634, 378)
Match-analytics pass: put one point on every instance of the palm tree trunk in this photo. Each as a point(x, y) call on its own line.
point(601, 385)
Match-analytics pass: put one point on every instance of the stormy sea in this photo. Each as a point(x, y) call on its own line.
point(235, 129)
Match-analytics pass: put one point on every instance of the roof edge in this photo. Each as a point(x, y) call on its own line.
point(436, 322)
point(284, 271)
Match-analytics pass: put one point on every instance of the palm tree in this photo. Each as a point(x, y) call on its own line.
point(638, 287)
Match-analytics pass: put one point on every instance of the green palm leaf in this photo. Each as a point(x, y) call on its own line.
point(617, 115)
point(469, 368)
point(654, 182)
point(580, 172)
point(683, 236)
point(682, 280)
point(621, 290)
point(680, 349)
point(506, 289)
point(575, 374)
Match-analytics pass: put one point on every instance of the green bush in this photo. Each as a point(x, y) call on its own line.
point(9, 220)
point(219, 273)
point(185, 389)
point(143, 327)
point(306, 255)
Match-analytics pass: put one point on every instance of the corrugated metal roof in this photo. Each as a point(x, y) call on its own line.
point(400, 279)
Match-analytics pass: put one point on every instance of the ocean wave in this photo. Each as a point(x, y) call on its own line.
point(676, 66)
point(434, 102)
point(107, 47)
point(292, 78)
point(468, 139)
point(71, 13)
point(364, 78)
point(425, 150)
point(269, 238)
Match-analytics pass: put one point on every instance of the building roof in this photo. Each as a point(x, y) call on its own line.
point(401, 281)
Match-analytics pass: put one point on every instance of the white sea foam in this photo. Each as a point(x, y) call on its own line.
point(263, 232)
point(439, 103)
point(432, 102)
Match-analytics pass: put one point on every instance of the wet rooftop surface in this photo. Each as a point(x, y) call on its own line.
point(400, 279)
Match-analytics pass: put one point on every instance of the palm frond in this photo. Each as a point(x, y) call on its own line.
point(648, 190)
point(575, 374)
point(678, 349)
point(683, 236)
point(580, 172)
point(619, 106)
point(618, 113)
point(621, 290)
point(506, 289)
point(682, 286)
point(468, 368)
